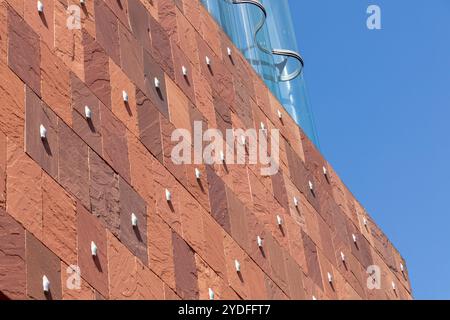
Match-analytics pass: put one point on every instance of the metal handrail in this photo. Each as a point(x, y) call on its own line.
point(278, 52)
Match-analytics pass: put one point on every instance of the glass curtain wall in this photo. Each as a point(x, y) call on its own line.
point(240, 21)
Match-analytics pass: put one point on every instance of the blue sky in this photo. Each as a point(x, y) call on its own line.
point(382, 107)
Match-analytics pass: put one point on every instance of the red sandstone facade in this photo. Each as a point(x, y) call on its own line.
point(82, 184)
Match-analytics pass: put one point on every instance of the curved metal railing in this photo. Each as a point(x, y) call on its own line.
point(278, 52)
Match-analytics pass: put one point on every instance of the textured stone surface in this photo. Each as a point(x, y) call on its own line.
point(59, 220)
point(12, 257)
point(160, 249)
point(12, 105)
point(158, 96)
point(131, 54)
point(24, 189)
point(55, 84)
point(107, 30)
point(24, 51)
point(3, 164)
point(73, 164)
point(139, 23)
point(149, 125)
point(43, 151)
point(115, 148)
point(104, 192)
point(88, 129)
point(185, 269)
point(94, 269)
point(219, 206)
point(134, 238)
point(96, 69)
point(42, 262)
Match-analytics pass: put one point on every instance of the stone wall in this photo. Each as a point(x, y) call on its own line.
point(81, 183)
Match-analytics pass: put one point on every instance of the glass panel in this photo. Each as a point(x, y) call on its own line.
point(240, 21)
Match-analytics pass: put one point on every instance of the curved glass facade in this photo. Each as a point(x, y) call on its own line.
point(240, 22)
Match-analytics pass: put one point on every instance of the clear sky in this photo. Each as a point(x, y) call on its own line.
point(382, 107)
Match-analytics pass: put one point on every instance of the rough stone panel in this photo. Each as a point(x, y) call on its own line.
point(255, 281)
point(126, 112)
point(186, 39)
point(279, 190)
point(107, 30)
point(4, 33)
point(3, 164)
point(73, 164)
point(326, 240)
point(185, 82)
point(223, 114)
point(12, 257)
point(94, 269)
point(12, 105)
point(68, 43)
point(208, 279)
point(59, 220)
point(24, 189)
point(219, 77)
point(43, 151)
point(238, 220)
point(178, 170)
point(149, 286)
point(213, 248)
point(168, 210)
point(237, 280)
point(141, 163)
point(69, 283)
point(191, 10)
point(115, 147)
point(41, 261)
point(296, 247)
point(352, 271)
point(210, 32)
point(149, 125)
point(169, 294)
point(330, 288)
point(158, 96)
point(24, 51)
point(161, 48)
point(295, 279)
point(361, 249)
point(273, 291)
point(55, 84)
point(277, 257)
point(160, 249)
point(179, 106)
point(131, 53)
point(191, 214)
point(104, 192)
point(242, 102)
point(218, 202)
point(204, 98)
point(198, 187)
point(139, 23)
point(119, 9)
point(121, 270)
point(134, 238)
point(42, 23)
point(185, 269)
point(96, 69)
point(88, 129)
point(259, 255)
point(312, 261)
point(167, 17)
